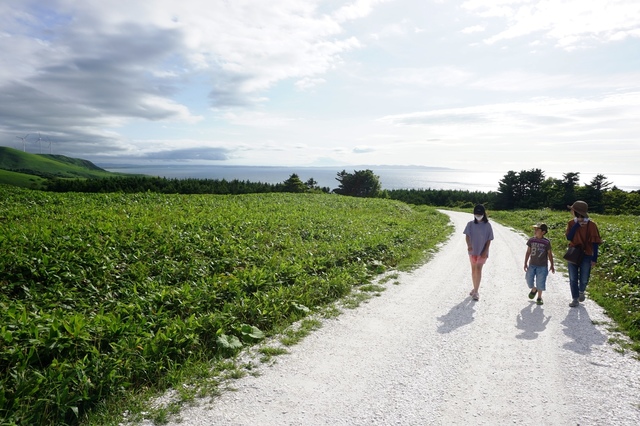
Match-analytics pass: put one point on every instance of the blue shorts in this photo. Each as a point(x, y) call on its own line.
point(540, 274)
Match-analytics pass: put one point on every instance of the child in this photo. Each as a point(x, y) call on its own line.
point(478, 235)
point(539, 252)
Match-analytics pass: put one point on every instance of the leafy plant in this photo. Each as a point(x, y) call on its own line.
point(103, 295)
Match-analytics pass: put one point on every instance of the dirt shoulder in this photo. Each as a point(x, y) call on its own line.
point(424, 353)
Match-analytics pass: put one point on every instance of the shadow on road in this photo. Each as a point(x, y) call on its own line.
point(581, 330)
point(532, 321)
point(458, 316)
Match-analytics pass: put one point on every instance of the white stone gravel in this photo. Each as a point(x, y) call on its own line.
point(425, 354)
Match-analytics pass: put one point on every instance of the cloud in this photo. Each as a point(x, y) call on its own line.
point(309, 83)
point(432, 76)
point(189, 154)
point(288, 81)
point(256, 119)
point(82, 70)
point(363, 149)
point(356, 9)
point(550, 115)
point(571, 23)
point(473, 29)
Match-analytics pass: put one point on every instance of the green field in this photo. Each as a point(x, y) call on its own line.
point(31, 170)
point(21, 179)
point(106, 295)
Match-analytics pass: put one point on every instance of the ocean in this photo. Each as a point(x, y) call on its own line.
point(391, 177)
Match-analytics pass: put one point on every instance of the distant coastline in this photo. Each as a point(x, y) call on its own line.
point(391, 177)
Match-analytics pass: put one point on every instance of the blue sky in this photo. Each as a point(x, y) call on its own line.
point(482, 85)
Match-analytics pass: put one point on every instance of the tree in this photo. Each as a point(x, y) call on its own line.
point(594, 193)
point(508, 189)
point(294, 184)
point(311, 183)
point(531, 188)
point(569, 183)
point(360, 183)
point(553, 194)
point(600, 183)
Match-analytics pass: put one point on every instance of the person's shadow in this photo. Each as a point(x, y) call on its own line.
point(458, 316)
point(581, 330)
point(532, 321)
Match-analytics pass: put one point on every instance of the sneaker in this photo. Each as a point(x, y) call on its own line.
point(539, 301)
point(574, 303)
point(581, 297)
point(532, 294)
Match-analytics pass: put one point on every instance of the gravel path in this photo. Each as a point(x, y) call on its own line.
point(425, 354)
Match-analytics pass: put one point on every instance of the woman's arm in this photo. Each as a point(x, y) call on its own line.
point(572, 232)
point(485, 250)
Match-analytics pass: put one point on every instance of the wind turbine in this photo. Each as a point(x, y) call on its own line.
point(24, 144)
point(49, 140)
point(40, 142)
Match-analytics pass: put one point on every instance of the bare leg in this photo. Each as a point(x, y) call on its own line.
point(476, 276)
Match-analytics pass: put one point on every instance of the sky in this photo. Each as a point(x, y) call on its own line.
point(495, 85)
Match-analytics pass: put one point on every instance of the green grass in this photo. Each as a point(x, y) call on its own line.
point(615, 281)
point(21, 179)
point(108, 298)
point(46, 165)
point(268, 352)
point(293, 336)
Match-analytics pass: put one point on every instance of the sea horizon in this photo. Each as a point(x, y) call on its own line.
point(391, 177)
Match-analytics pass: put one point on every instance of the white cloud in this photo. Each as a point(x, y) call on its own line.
point(571, 23)
point(256, 119)
point(362, 149)
point(309, 83)
point(473, 29)
point(237, 80)
point(120, 61)
point(356, 9)
point(432, 76)
point(553, 116)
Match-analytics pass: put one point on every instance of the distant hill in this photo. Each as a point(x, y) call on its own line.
point(22, 167)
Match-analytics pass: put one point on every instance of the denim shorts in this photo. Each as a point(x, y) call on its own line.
point(539, 273)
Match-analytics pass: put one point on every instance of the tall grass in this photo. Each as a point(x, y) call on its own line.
point(104, 294)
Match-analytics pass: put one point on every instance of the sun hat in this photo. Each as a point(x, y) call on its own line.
point(478, 209)
point(542, 226)
point(580, 207)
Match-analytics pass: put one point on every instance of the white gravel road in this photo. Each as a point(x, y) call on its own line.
point(424, 353)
